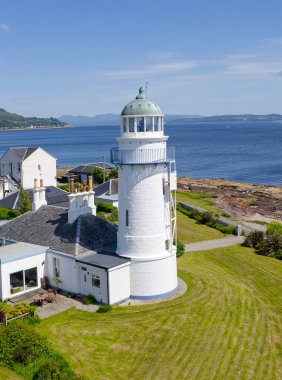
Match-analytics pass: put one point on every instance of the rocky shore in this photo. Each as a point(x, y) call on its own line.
point(239, 200)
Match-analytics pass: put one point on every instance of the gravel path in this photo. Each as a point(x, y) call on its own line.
point(216, 243)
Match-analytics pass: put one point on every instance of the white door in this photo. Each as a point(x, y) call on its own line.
point(83, 280)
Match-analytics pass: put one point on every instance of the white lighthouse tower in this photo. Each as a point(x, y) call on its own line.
point(147, 184)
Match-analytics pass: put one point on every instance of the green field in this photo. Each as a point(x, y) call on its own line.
point(226, 326)
point(197, 199)
point(189, 231)
point(5, 374)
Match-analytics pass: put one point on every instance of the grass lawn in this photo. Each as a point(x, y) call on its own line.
point(226, 326)
point(197, 199)
point(6, 374)
point(189, 231)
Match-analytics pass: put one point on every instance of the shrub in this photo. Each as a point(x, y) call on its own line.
point(271, 246)
point(24, 200)
point(25, 351)
point(225, 215)
point(6, 213)
point(254, 239)
point(64, 187)
point(180, 248)
point(89, 299)
point(2, 316)
point(274, 227)
point(104, 308)
point(99, 174)
point(107, 211)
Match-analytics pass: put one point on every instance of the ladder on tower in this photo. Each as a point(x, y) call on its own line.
point(172, 186)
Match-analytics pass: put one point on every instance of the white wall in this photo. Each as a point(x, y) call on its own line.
point(151, 279)
point(119, 284)
point(101, 294)
point(30, 168)
point(16, 266)
point(8, 157)
point(69, 277)
point(141, 193)
point(39, 164)
point(72, 276)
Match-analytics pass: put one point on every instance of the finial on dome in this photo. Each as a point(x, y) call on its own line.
point(141, 94)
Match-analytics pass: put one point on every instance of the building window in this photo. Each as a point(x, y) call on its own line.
point(19, 167)
point(96, 281)
point(167, 245)
point(163, 186)
point(10, 169)
point(57, 267)
point(23, 280)
point(126, 218)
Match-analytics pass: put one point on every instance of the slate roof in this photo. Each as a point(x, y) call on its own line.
point(107, 188)
point(54, 196)
point(23, 153)
point(102, 260)
point(88, 168)
point(48, 227)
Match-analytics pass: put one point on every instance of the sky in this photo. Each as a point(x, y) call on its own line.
point(88, 57)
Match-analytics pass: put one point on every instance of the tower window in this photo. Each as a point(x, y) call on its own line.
point(167, 245)
point(131, 124)
point(126, 218)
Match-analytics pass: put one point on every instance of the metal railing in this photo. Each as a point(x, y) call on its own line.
point(142, 156)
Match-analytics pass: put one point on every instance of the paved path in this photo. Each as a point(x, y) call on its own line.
point(216, 243)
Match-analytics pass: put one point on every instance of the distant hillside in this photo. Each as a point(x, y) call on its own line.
point(13, 121)
point(229, 119)
point(109, 119)
point(106, 119)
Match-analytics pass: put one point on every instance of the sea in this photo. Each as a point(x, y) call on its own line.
point(244, 152)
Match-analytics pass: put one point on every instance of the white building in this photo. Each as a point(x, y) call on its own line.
point(71, 245)
point(147, 180)
point(88, 254)
point(25, 164)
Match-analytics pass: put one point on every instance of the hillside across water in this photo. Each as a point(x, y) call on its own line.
point(11, 121)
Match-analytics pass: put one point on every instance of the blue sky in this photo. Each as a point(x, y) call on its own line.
point(90, 57)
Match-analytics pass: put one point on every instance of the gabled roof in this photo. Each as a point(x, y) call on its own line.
point(48, 227)
point(54, 196)
point(25, 152)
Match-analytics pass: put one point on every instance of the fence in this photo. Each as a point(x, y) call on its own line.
point(22, 316)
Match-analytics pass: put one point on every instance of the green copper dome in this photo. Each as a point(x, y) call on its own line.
point(141, 106)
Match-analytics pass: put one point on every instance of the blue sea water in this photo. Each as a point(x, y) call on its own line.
point(246, 152)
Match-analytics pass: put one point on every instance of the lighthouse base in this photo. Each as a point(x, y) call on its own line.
point(153, 278)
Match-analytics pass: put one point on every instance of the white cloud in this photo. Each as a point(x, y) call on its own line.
point(169, 68)
point(273, 40)
point(5, 28)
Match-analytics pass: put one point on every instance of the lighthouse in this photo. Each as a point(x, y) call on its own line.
point(146, 198)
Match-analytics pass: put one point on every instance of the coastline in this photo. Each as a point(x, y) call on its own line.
point(32, 129)
point(240, 200)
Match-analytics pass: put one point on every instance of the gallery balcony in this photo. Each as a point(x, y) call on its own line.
point(142, 156)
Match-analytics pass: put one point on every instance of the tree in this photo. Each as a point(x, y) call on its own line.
point(113, 173)
point(98, 174)
point(24, 201)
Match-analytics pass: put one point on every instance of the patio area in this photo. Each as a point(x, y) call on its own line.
point(51, 308)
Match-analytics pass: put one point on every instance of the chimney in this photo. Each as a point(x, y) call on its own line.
point(39, 196)
point(71, 185)
point(81, 203)
point(84, 186)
